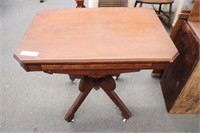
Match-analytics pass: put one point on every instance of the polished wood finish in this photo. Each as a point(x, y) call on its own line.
point(107, 83)
point(85, 86)
point(160, 12)
point(102, 32)
point(180, 82)
point(94, 45)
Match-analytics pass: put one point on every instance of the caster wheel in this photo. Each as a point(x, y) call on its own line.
point(72, 121)
point(116, 78)
point(73, 81)
point(41, 1)
point(124, 120)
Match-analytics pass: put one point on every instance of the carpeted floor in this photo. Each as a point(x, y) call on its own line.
point(37, 102)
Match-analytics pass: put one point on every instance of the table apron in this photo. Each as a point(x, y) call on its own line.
point(94, 70)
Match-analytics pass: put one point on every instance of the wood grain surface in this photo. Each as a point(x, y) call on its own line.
point(188, 100)
point(97, 35)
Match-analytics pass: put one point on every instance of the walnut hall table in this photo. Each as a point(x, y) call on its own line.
point(95, 44)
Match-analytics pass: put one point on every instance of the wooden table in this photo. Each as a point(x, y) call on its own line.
point(96, 44)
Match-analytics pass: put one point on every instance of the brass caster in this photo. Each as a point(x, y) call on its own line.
point(72, 121)
point(73, 81)
point(124, 120)
point(117, 76)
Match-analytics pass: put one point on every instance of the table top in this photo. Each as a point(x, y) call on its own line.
point(96, 35)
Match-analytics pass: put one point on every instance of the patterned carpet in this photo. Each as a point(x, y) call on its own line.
point(113, 3)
